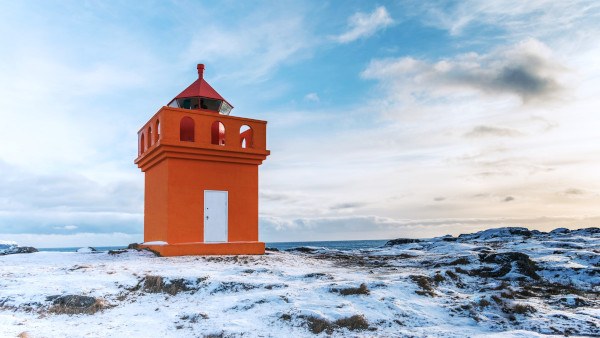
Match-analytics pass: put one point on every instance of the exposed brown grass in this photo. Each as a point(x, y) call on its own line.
point(153, 284)
point(438, 278)
point(214, 335)
point(424, 283)
point(317, 325)
point(483, 302)
point(361, 290)
point(451, 275)
point(175, 286)
point(523, 309)
point(354, 323)
point(156, 284)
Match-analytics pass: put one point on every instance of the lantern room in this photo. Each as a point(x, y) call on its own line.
point(200, 169)
point(200, 95)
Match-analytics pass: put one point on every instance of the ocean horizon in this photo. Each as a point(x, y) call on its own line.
point(338, 245)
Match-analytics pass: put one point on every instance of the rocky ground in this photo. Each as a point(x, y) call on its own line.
point(508, 282)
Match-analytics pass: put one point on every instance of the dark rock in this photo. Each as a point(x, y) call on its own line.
point(560, 231)
point(9, 249)
point(272, 249)
point(156, 284)
point(574, 302)
point(566, 245)
point(303, 249)
point(400, 241)
point(134, 246)
point(175, 286)
point(51, 298)
point(484, 249)
point(586, 231)
point(459, 261)
point(74, 301)
point(234, 287)
point(318, 275)
point(25, 249)
point(509, 260)
point(497, 233)
point(116, 252)
point(75, 304)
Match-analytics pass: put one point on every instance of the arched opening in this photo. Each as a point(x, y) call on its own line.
point(150, 139)
point(186, 129)
point(157, 131)
point(217, 133)
point(246, 136)
point(142, 144)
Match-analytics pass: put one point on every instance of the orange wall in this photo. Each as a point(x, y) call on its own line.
point(155, 203)
point(187, 181)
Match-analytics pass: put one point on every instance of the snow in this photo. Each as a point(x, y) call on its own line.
point(155, 243)
point(275, 294)
point(10, 243)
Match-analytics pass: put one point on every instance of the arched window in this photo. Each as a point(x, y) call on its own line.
point(217, 133)
point(142, 144)
point(150, 139)
point(157, 131)
point(186, 129)
point(246, 136)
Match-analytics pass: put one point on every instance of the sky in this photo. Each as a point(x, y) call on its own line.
point(385, 119)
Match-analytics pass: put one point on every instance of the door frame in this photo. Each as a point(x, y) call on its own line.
point(226, 215)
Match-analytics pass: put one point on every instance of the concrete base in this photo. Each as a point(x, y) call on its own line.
point(192, 249)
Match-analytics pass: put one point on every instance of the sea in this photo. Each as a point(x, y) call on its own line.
point(339, 245)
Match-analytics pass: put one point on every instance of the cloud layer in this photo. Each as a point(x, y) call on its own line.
point(527, 70)
point(362, 25)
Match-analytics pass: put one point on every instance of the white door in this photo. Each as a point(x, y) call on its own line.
point(215, 216)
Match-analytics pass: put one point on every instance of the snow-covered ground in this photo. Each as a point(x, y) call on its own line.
point(507, 282)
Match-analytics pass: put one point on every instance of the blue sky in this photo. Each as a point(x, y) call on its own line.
point(386, 119)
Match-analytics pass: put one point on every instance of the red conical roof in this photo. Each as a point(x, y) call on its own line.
point(201, 88)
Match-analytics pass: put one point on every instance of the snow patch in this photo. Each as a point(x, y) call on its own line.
point(155, 243)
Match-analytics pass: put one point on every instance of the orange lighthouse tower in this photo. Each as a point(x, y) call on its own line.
point(201, 176)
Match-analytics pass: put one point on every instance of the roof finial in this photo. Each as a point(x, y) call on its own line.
point(200, 70)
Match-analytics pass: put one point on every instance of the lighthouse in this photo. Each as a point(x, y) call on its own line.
point(201, 175)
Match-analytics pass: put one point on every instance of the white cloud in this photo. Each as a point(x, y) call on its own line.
point(66, 227)
point(362, 25)
point(274, 229)
point(77, 240)
point(312, 97)
point(537, 18)
point(250, 49)
point(527, 70)
point(492, 131)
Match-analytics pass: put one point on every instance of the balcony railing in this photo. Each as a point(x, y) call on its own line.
point(201, 129)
